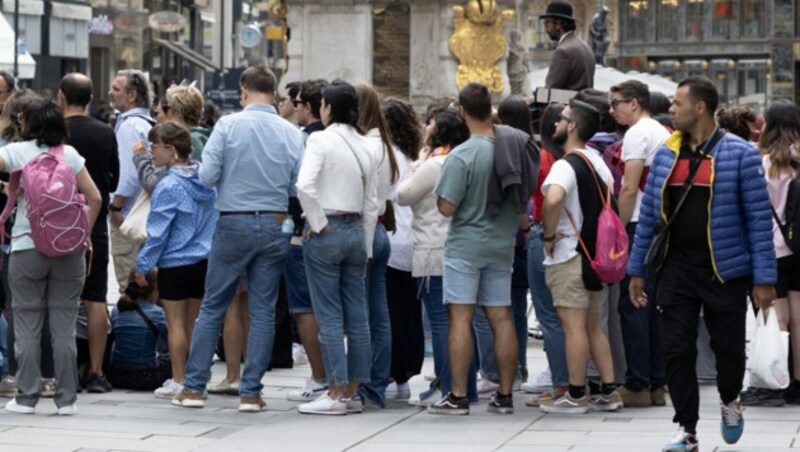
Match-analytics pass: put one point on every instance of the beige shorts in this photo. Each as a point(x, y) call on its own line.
point(565, 281)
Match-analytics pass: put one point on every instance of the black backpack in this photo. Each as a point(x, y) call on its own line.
point(790, 227)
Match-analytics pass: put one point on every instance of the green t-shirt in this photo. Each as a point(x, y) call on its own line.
point(464, 182)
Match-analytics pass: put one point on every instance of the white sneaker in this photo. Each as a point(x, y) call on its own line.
point(542, 383)
point(225, 387)
point(324, 405)
point(487, 388)
point(67, 410)
point(170, 389)
point(312, 390)
point(354, 404)
point(432, 398)
point(398, 391)
point(299, 355)
point(13, 407)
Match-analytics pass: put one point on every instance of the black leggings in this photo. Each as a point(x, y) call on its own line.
point(405, 314)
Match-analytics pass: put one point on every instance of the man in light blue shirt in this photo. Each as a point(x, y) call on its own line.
point(130, 94)
point(252, 158)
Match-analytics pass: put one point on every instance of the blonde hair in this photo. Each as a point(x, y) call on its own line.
point(187, 103)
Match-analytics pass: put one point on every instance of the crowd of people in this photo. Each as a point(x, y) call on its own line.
point(362, 217)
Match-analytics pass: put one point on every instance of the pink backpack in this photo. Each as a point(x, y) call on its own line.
point(610, 260)
point(58, 214)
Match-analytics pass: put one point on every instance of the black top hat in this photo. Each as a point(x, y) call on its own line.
point(560, 9)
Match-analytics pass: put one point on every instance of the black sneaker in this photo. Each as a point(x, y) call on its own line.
point(450, 405)
point(501, 404)
point(792, 394)
point(762, 397)
point(98, 384)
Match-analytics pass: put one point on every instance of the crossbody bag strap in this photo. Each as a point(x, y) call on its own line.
point(693, 170)
point(149, 321)
point(355, 156)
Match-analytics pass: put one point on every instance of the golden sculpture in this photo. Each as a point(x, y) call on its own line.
point(478, 43)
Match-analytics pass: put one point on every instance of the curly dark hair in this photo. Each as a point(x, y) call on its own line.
point(405, 126)
point(735, 120)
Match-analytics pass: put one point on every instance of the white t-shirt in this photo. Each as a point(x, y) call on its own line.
point(641, 142)
point(563, 175)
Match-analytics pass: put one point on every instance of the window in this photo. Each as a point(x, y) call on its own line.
point(694, 19)
point(667, 18)
point(636, 24)
point(723, 18)
point(752, 18)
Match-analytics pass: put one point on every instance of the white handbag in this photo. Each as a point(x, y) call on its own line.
point(135, 225)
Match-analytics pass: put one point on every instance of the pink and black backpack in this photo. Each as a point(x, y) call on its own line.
point(57, 212)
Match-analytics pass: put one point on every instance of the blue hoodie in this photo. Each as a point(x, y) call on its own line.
point(181, 222)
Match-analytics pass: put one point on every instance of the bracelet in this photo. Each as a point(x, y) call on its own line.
point(526, 230)
point(113, 208)
point(548, 239)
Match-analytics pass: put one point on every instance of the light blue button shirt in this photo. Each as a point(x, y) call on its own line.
point(130, 128)
point(253, 158)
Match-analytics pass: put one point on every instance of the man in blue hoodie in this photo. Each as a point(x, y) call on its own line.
point(719, 247)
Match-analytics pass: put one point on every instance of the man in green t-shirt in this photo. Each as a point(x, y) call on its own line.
point(478, 256)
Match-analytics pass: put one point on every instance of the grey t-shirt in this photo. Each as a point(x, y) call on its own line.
point(464, 182)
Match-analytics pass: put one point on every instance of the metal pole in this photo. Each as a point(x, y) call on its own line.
point(16, 40)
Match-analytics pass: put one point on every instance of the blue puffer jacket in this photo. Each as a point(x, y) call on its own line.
point(740, 220)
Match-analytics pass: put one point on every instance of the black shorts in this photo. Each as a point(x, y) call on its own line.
point(95, 288)
point(788, 276)
point(180, 283)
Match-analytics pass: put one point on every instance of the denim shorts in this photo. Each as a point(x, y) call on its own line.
point(475, 282)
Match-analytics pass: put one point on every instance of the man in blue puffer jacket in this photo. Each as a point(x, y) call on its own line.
point(719, 247)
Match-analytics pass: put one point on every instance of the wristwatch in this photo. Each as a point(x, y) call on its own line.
point(548, 239)
point(113, 208)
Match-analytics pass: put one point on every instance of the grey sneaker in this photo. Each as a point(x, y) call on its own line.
point(565, 404)
point(354, 404)
point(8, 387)
point(611, 402)
point(48, 388)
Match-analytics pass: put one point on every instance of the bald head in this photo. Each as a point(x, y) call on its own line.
point(76, 89)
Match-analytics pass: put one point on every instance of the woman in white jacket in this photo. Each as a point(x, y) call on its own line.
point(446, 131)
point(337, 188)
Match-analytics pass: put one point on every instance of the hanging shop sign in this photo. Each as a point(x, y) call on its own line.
point(167, 21)
point(101, 25)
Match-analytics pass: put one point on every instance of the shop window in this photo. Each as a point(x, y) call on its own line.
point(723, 19)
point(667, 18)
point(752, 18)
point(694, 19)
point(636, 24)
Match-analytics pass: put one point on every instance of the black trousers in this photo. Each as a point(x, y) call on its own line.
point(680, 294)
point(405, 314)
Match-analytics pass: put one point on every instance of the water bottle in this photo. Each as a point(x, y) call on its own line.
point(287, 227)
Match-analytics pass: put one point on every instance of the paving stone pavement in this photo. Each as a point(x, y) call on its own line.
point(129, 421)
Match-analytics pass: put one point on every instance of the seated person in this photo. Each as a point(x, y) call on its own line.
point(138, 355)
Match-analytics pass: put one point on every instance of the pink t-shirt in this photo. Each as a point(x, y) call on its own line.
point(778, 192)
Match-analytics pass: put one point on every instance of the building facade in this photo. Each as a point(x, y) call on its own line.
point(747, 47)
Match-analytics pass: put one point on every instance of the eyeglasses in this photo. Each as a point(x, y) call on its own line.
point(615, 102)
point(160, 145)
point(561, 116)
point(297, 102)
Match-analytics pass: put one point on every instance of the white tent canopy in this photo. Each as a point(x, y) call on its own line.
point(606, 77)
point(25, 62)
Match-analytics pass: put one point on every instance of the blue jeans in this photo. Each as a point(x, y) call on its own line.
point(430, 292)
point(485, 339)
point(380, 327)
point(294, 272)
point(546, 314)
point(336, 265)
point(641, 334)
point(3, 348)
point(251, 244)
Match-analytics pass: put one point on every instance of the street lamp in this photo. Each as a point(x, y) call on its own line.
point(16, 41)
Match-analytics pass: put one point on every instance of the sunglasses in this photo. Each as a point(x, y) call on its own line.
point(615, 102)
point(565, 118)
point(297, 102)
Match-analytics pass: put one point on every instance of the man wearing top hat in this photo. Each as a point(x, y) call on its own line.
point(572, 66)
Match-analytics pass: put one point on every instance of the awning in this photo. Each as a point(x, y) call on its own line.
point(25, 62)
point(188, 54)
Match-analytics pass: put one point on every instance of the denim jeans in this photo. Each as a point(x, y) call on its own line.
point(251, 244)
point(380, 328)
point(485, 339)
point(641, 334)
point(546, 314)
point(3, 348)
point(294, 273)
point(336, 265)
point(430, 292)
